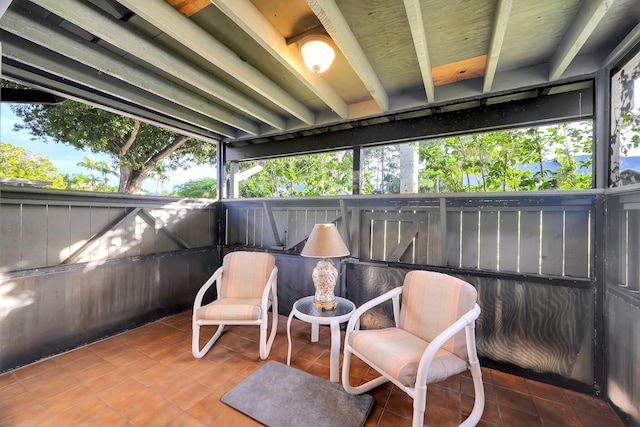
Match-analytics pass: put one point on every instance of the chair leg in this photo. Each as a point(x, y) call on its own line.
point(419, 406)
point(195, 341)
point(346, 384)
point(265, 345)
point(478, 389)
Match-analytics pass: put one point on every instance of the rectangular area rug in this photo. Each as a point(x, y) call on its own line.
point(278, 395)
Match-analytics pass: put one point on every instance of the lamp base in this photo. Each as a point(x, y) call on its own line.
point(325, 306)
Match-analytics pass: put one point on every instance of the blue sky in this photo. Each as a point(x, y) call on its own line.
point(66, 158)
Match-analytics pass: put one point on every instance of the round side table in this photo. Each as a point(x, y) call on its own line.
point(304, 310)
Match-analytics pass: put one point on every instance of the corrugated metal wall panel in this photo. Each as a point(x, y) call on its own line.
point(57, 309)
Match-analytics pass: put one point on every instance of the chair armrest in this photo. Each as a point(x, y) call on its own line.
point(215, 277)
point(271, 286)
point(392, 294)
point(427, 357)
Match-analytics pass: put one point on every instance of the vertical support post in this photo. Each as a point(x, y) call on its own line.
point(233, 180)
point(222, 155)
point(357, 169)
point(600, 168)
point(601, 129)
point(443, 231)
point(601, 174)
point(599, 245)
point(221, 210)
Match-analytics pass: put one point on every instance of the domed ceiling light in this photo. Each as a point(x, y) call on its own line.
point(317, 53)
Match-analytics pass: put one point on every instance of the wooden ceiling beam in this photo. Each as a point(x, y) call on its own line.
point(189, 7)
point(91, 55)
point(249, 18)
point(585, 22)
point(416, 23)
point(460, 70)
point(120, 36)
point(54, 76)
point(336, 25)
point(577, 105)
point(163, 16)
point(501, 20)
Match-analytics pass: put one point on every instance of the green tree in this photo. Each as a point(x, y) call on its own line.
point(91, 165)
point(509, 160)
point(17, 162)
point(104, 169)
point(380, 166)
point(200, 188)
point(137, 147)
point(83, 182)
point(310, 175)
point(159, 173)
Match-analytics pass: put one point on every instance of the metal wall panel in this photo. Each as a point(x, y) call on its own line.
point(508, 237)
point(529, 244)
point(56, 309)
point(11, 231)
point(58, 226)
point(623, 355)
point(544, 328)
point(632, 249)
point(622, 300)
point(80, 227)
point(34, 236)
point(578, 250)
point(488, 240)
point(552, 243)
point(453, 247)
point(469, 248)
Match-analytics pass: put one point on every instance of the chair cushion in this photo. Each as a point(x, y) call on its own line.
point(431, 302)
point(231, 309)
point(398, 353)
point(245, 274)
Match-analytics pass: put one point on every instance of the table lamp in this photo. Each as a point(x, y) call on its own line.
point(324, 242)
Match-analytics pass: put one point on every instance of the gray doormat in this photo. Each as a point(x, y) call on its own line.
point(278, 395)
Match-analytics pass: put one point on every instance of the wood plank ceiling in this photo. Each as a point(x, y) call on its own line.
point(231, 70)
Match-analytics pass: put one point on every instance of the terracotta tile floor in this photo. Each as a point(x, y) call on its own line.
point(148, 377)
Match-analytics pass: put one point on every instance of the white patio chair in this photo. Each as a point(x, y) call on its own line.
point(434, 338)
point(246, 287)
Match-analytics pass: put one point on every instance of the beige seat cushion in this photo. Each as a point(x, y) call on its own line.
point(231, 309)
point(245, 274)
point(398, 353)
point(431, 302)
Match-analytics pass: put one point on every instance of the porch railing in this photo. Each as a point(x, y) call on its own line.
point(48, 228)
point(549, 234)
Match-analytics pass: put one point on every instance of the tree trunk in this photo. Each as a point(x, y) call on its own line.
point(125, 174)
point(136, 179)
point(409, 160)
point(131, 180)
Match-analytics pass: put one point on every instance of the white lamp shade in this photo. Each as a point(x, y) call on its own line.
point(324, 242)
point(317, 54)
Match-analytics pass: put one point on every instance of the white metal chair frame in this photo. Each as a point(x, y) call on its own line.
point(269, 299)
point(419, 392)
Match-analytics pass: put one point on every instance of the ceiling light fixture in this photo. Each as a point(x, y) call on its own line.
point(317, 53)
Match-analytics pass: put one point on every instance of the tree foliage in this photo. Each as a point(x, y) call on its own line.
point(17, 162)
point(551, 157)
point(516, 160)
point(199, 188)
point(136, 147)
point(511, 160)
point(309, 175)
